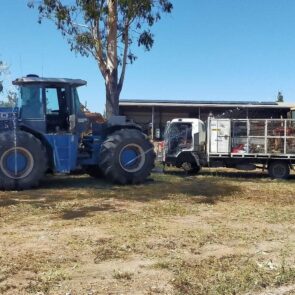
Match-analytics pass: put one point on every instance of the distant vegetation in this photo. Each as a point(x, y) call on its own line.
point(8, 97)
point(1, 73)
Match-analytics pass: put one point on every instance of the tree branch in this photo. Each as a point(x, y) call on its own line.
point(124, 61)
point(99, 48)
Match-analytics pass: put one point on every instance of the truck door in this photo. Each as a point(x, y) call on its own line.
point(220, 136)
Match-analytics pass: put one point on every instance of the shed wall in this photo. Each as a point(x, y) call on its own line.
point(142, 115)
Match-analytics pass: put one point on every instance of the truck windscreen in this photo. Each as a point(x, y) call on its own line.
point(178, 137)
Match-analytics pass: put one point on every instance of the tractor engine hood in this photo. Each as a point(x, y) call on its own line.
point(7, 116)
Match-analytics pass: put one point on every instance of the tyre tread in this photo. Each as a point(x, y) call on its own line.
point(108, 154)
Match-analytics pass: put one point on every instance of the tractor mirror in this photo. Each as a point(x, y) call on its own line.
point(72, 121)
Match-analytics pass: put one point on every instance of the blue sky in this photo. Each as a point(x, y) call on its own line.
point(205, 50)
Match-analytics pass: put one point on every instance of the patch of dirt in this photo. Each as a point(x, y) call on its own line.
point(283, 290)
point(192, 221)
point(219, 251)
point(77, 236)
point(101, 278)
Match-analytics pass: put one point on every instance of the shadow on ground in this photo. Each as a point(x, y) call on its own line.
point(54, 190)
point(69, 214)
point(237, 175)
point(232, 174)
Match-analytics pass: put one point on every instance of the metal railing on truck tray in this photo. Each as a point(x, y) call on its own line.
point(260, 138)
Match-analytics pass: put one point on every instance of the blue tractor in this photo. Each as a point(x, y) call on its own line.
point(46, 132)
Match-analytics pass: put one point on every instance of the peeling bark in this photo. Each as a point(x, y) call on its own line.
point(112, 89)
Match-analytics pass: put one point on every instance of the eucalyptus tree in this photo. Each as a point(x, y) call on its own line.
point(106, 30)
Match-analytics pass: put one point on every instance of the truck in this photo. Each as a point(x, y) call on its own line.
point(244, 144)
point(48, 132)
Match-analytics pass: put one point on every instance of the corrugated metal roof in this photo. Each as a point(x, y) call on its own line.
point(202, 103)
point(139, 101)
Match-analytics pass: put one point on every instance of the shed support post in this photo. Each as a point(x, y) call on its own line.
point(153, 121)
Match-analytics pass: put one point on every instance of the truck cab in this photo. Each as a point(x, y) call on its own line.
point(185, 143)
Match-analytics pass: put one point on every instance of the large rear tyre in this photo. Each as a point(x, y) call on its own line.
point(23, 160)
point(127, 157)
point(279, 170)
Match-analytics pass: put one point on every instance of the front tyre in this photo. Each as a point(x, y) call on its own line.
point(127, 157)
point(23, 160)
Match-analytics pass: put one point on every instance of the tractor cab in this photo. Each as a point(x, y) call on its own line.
point(50, 105)
point(49, 108)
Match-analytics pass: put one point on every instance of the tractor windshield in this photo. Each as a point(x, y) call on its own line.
point(178, 136)
point(77, 103)
point(30, 102)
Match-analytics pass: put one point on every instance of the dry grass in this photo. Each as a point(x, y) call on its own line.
point(221, 232)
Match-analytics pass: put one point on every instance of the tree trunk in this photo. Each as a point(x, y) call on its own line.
point(112, 89)
point(112, 101)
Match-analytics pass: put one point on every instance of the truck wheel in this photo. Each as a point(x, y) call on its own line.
point(279, 170)
point(127, 157)
point(23, 160)
point(94, 171)
point(191, 168)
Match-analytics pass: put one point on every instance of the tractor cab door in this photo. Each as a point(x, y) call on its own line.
point(45, 108)
point(57, 109)
point(63, 140)
point(31, 107)
point(78, 120)
point(63, 111)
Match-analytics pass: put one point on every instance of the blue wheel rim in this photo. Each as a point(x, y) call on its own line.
point(16, 163)
point(128, 157)
point(132, 158)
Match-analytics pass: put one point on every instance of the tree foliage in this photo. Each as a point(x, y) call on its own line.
point(106, 29)
point(1, 74)
point(10, 100)
point(280, 97)
point(9, 95)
